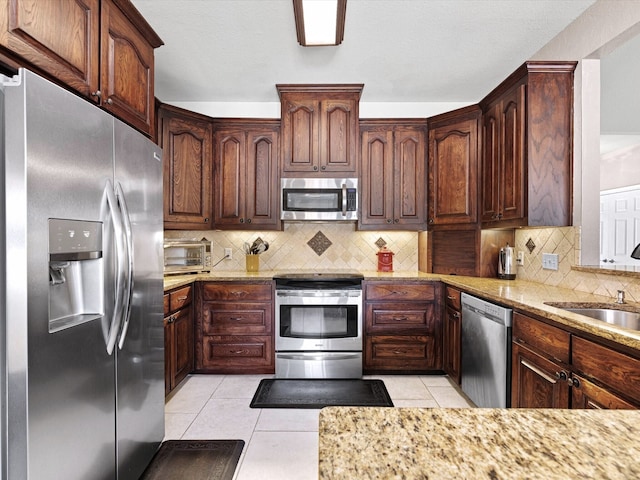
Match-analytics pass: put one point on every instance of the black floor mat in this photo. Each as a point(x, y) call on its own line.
point(318, 393)
point(195, 460)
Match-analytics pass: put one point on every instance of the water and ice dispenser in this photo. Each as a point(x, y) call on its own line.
point(76, 273)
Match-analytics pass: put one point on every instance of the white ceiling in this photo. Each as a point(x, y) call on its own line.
point(402, 50)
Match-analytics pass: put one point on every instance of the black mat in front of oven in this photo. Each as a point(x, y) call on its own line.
point(320, 392)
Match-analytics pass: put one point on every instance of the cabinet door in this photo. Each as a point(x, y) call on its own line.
point(512, 179)
point(537, 382)
point(230, 173)
point(183, 345)
point(451, 344)
point(588, 395)
point(168, 355)
point(187, 158)
point(490, 164)
point(262, 192)
point(300, 134)
point(127, 66)
point(339, 136)
point(377, 179)
point(453, 173)
point(410, 201)
point(69, 52)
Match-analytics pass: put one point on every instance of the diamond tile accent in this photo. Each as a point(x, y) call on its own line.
point(319, 243)
point(380, 242)
point(530, 245)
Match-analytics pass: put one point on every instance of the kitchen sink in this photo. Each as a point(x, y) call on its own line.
point(607, 313)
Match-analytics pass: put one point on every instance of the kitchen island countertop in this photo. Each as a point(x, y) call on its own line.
point(413, 443)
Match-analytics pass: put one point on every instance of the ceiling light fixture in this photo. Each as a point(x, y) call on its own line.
point(319, 22)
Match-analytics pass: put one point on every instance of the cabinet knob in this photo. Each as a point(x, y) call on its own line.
point(573, 382)
point(315, 169)
point(561, 375)
point(323, 168)
point(388, 220)
point(109, 101)
point(206, 220)
point(96, 94)
point(242, 220)
point(456, 315)
point(431, 220)
point(248, 220)
point(395, 220)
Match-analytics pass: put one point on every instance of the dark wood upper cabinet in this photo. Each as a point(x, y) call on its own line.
point(393, 181)
point(246, 174)
point(102, 49)
point(527, 152)
point(186, 139)
point(454, 162)
point(320, 129)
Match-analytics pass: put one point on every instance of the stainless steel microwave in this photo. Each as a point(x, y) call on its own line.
point(319, 199)
point(187, 256)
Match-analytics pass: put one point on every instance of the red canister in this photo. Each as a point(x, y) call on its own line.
point(385, 260)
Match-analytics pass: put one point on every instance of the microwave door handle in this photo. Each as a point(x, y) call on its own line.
point(344, 199)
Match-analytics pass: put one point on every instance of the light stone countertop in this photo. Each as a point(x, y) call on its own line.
point(530, 297)
point(421, 443)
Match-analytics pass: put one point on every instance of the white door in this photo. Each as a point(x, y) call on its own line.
point(619, 225)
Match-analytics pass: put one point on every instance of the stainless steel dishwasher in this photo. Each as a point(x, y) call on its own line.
point(486, 352)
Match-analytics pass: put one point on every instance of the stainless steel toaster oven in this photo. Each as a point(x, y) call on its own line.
point(187, 256)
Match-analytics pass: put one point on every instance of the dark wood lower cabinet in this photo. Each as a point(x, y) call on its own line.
point(178, 337)
point(402, 327)
point(235, 327)
point(451, 334)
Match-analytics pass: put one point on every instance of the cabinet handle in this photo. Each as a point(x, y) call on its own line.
point(536, 370)
point(562, 375)
point(235, 319)
point(400, 319)
point(182, 299)
point(237, 352)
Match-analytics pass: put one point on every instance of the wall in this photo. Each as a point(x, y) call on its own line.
point(290, 249)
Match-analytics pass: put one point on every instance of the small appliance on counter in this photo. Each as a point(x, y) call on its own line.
point(507, 263)
point(187, 256)
point(385, 260)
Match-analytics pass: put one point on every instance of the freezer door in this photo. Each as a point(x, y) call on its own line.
point(140, 352)
point(60, 384)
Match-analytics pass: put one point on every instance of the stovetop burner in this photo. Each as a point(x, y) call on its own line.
point(319, 280)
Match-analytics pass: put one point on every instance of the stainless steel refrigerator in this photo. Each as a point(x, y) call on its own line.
point(81, 333)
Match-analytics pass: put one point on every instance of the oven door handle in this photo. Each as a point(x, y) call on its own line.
point(319, 356)
point(319, 293)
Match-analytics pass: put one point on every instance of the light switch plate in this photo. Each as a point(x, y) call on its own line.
point(550, 261)
point(520, 258)
point(228, 253)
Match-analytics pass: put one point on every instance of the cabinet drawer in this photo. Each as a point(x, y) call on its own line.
point(398, 318)
point(228, 352)
point(400, 291)
point(165, 301)
point(179, 298)
point(616, 370)
point(452, 298)
point(236, 318)
point(237, 291)
point(387, 352)
point(548, 340)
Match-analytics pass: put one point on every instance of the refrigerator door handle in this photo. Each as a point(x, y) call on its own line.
point(119, 238)
point(128, 292)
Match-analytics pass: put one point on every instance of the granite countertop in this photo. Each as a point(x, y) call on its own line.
point(416, 443)
point(527, 296)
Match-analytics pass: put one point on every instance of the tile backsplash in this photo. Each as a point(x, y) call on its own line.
point(311, 246)
point(565, 242)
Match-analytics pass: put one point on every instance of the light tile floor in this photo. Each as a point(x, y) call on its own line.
point(280, 443)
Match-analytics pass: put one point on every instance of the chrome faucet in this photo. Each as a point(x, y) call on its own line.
point(620, 298)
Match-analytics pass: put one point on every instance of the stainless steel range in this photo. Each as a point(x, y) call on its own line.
point(319, 325)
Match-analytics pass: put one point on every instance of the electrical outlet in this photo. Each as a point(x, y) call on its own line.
point(550, 261)
point(520, 258)
point(228, 253)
